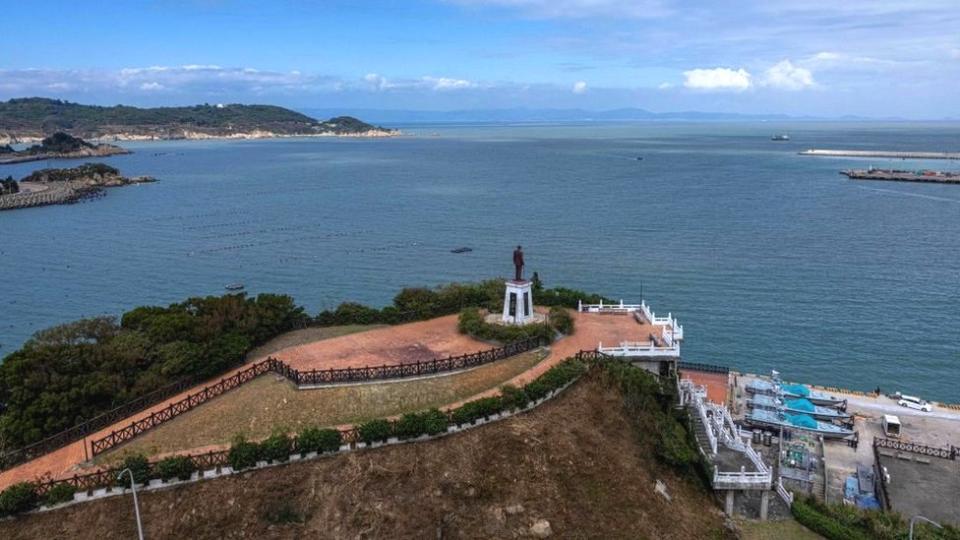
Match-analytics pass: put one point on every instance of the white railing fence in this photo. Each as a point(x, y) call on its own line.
point(784, 494)
point(669, 323)
point(640, 348)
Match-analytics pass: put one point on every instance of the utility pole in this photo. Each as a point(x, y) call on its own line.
point(136, 505)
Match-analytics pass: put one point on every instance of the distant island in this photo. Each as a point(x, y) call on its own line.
point(58, 146)
point(26, 120)
point(62, 186)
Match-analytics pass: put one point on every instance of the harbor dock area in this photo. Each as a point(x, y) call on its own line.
point(880, 154)
point(919, 469)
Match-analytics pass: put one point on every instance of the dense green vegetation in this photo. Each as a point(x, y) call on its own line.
point(652, 406)
point(841, 522)
point(70, 373)
point(87, 170)
point(9, 186)
point(42, 115)
point(58, 143)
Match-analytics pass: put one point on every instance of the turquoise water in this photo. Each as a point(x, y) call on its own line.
point(769, 259)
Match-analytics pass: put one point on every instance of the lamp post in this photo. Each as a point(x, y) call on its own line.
point(915, 518)
point(136, 506)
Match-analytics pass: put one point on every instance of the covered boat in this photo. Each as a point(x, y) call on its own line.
point(772, 419)
point(793, 391)
point(797, 406)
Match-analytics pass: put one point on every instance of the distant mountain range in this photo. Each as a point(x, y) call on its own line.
point(28, 119)
point(564, 115)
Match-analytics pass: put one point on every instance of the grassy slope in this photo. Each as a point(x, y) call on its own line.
point(575, 462)
point(259, 407)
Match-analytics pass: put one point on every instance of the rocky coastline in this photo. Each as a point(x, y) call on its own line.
point(67, 186)
point(57, 146)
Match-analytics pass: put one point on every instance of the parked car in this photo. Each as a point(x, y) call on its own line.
point(912, 402)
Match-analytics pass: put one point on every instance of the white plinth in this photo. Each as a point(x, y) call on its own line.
point(518, 303)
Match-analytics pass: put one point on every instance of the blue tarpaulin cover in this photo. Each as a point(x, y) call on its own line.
point(802, 420)
point(797, 389)
point(801, 405)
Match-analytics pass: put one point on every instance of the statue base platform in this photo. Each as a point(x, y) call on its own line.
point(518, 304)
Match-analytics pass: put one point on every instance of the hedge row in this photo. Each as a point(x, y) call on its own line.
point(244, 454)
point(433, 422)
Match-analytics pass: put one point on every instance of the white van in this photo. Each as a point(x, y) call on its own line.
point(912, 402)
point(891, 426)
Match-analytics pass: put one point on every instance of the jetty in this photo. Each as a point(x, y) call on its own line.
point(894, 175)
point(880, 154)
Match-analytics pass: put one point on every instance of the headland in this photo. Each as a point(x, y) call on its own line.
point(26, 120)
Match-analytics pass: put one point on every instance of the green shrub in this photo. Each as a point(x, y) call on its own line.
point(435, 422)
point(60, 493)
point(243, 454)
point(831, 528)
point(375, 431)
point(513, 397)
point(319, 440)
point(139, 466)
point(471, 322)
point(673, 444)
point(536, 389)
point(411, 425)
point(479, 408)
point(18, 498)
point(175, 467)
point(561, 320)
point(276, 447)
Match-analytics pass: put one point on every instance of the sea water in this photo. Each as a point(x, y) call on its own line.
point(769, 259)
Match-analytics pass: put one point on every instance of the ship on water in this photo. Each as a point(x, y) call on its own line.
point(781, 137)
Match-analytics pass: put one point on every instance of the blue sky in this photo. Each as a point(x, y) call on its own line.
point(802, 57)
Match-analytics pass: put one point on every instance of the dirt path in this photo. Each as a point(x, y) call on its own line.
point(402, 343)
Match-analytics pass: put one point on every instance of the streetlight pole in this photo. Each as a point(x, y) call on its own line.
point(915, 518)
point(136, 506)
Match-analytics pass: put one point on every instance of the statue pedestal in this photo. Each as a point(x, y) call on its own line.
point(518, 303)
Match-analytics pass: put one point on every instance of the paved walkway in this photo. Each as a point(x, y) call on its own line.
point(403, 343)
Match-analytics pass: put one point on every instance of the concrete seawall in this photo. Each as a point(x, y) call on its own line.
point(881, 154)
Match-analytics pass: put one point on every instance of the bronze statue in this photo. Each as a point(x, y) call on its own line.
point(518, 262)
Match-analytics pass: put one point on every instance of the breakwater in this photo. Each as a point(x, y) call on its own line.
point(880, 154)
point(930, 177)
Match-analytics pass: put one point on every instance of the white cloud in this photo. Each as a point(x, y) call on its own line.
point(579, 9)
point(580, 87)
point(151, 86)
point(718, 79)
point(786, 76)
point(665, 86)
point(445, 83)
point(955, 53)
point(378, 82)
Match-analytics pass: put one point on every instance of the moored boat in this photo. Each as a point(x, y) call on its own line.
point(796, 406)
point(805, 422)
point(793, 391)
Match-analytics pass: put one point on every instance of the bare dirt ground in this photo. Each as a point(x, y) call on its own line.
point(304, 336)
point(270, 402)
point(418, 341)
point(576, 462)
